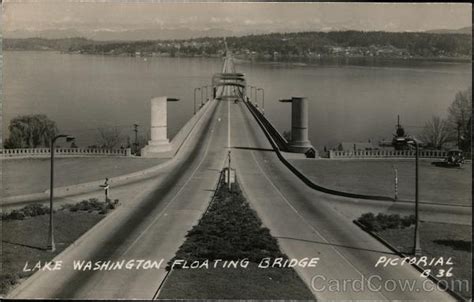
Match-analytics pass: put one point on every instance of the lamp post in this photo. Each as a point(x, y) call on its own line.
point(263, 99)
point(207, 92)
point(255, 93)
point(416, 243)
point(51, 245)
point(251, 87)
point(135, 129)
point(195, 89)
point(202, 96)
point(416, 239)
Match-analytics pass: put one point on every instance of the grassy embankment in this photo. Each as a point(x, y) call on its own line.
point(25, 235)
point(436, 239)
point(376, 177)
point(231, 230)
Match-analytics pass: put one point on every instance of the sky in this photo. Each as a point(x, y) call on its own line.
point(119, 20)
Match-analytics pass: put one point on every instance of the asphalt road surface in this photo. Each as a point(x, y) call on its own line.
point(307, 225)
point(304, 221)
point(152, 227)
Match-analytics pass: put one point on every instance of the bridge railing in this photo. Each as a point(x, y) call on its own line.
point(276, 135)
point(387, 154)
point(72, 152)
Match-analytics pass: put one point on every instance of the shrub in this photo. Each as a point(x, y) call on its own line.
point(7, 281)
point(35, 210)
point(369, 221)
point(15, 215)
point(389, 221)
point(384, 221)
point(229, 230)
point(25, 212)
point(92, 205)
point(408, 221)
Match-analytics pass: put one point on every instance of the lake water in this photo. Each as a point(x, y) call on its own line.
point(353, 101)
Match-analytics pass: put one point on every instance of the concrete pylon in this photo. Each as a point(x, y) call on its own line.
point(159, 143)
point(299, 125)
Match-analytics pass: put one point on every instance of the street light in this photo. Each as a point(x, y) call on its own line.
point(255, 92)
point(263, 99)
point(195, 89)
point(251, 87)
point(202, 95)
point(416, 243)
point(135, 129)
point(51, 245)
point(207, 93)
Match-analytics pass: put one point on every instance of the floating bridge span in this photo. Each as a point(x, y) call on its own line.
point(306, 222)
point(229, 83)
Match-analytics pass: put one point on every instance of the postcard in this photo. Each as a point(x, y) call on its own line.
point(236, 150)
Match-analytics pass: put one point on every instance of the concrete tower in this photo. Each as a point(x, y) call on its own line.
point(159, 144)
point(299, 125)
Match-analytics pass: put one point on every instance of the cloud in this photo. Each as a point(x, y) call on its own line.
point(220, 20)
point(158, 21)
point(188, 20)
point(258, 22)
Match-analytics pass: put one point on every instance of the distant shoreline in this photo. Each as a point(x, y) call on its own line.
point(302, 61)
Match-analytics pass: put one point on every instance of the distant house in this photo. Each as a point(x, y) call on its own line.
point(356, 146)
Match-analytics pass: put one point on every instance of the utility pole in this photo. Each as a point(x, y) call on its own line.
point(228, 175)
point(263, 99)
point(136, 138)
point(202, 96)
point(51, 245)
point(416, 244)
point(396, 181)
point(195, 89)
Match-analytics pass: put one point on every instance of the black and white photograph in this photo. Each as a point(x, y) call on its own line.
point(163, 150)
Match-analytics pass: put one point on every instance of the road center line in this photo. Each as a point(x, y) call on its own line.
point(176, 195)
point(296, 211)
point(228, 124)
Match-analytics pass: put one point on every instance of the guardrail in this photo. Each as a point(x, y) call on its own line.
point(387, 154)
point(276, 135)
point(303, 177)
point(62, 152)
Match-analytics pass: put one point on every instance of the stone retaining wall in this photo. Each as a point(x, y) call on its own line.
point(62, 152)
point(387, 154)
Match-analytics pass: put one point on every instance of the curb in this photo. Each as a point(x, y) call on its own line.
point(437, 281)
point(260, 120)
point(301, 176)
point(92, 186)
point(219, 181)
point(245, 195)
point(15, 291)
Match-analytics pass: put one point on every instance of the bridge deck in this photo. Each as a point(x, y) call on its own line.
point(306, 223)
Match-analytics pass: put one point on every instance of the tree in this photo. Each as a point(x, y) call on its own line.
point(30, 131)
point(459, 119)
point(436, 133)
point(109, 138)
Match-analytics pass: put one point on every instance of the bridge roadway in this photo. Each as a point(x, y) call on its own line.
point(152, 226)
point(155, 224)
point(307, 224)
